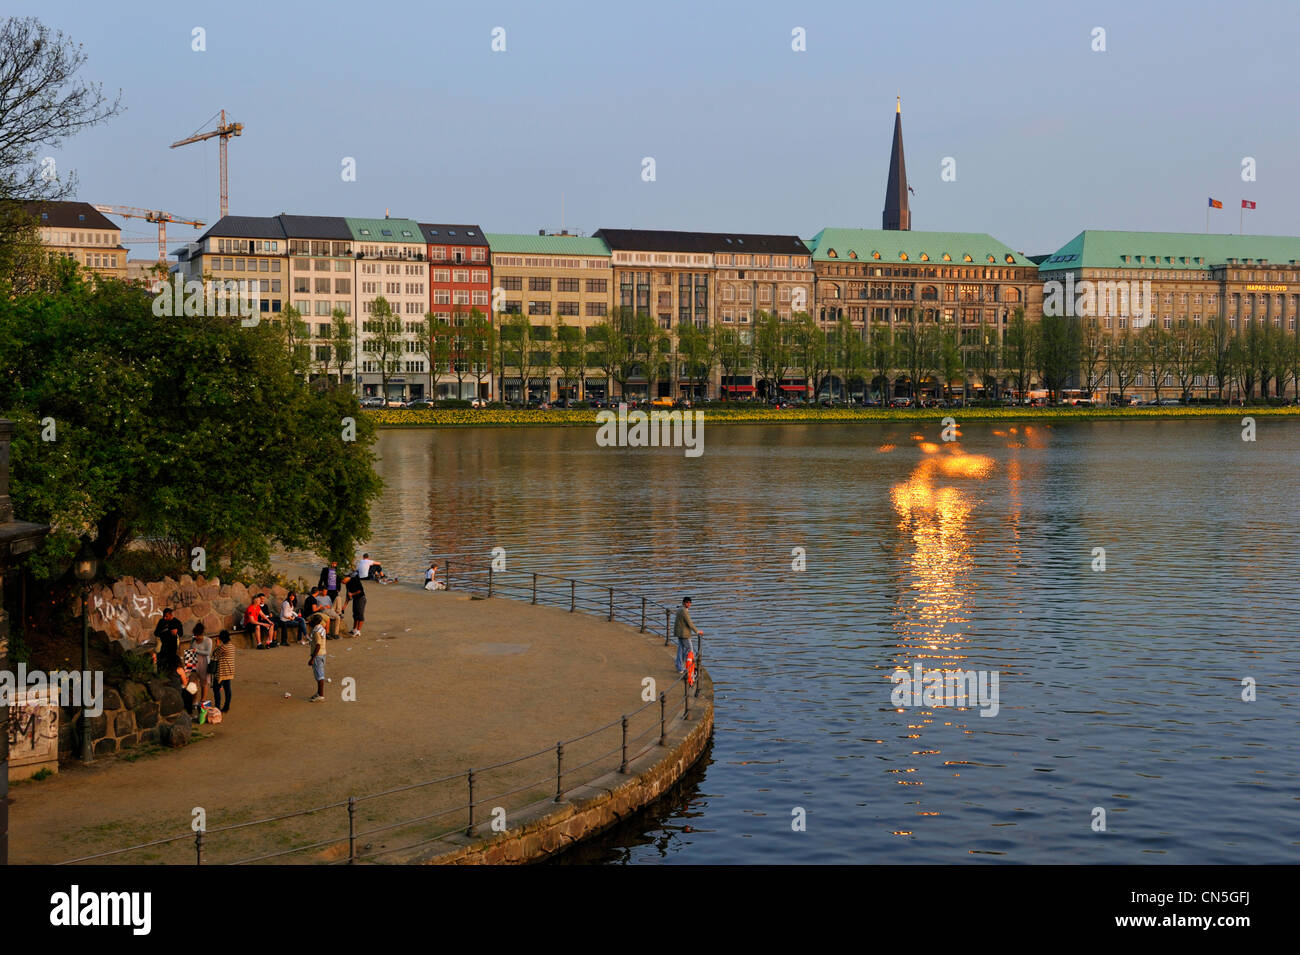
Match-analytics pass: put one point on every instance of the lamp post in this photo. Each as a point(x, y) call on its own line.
point(85, 567)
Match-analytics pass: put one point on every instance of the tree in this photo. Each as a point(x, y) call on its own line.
point(772, 350)
point(570, 356)
point(984, 357)
point(42, 103)
point(482, 343)
point(916, 350)
point(441, 350)
point(1123, 360)
point(950, 362)
point(730, 348)
point(880, 358)
point(850, 353)
point(813, 352)
point(696, 353)
point(1056, 352)
point(1187, 355)
point(1018, 350)
point(608, 351)
point(386, 342)
point(297, 335)
point(340, 341)
point(1154, 341)
point(1092, 354)
point(187, 431)
point(1220, 340)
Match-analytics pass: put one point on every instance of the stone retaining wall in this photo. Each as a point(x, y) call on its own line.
point(547, 828)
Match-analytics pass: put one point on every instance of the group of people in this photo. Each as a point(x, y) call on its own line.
point(192, 671)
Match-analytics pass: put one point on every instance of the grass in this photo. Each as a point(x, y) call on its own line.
point(760, 414)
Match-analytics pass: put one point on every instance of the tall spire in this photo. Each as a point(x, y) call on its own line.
point(897, 216)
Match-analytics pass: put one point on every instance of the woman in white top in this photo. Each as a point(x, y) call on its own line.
point(290, 617)
point(202, 646)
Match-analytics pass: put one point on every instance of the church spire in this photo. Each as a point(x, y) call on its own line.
point(897, 216)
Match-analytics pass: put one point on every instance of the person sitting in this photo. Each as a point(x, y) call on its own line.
point(369, 569)
point(259, 623)
point(431, 581)
point(290, 619)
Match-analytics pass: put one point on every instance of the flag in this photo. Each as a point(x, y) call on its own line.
point(1247, 204)
point(1216, 204)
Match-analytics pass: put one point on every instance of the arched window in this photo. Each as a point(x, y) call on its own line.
point(929, 293)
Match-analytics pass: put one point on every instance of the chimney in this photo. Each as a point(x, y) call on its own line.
point(541, 232)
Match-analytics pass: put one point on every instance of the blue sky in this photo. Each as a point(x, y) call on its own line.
point(1049, 137)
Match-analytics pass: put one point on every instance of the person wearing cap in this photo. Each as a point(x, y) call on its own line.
point(683, 628)
point(168, 633)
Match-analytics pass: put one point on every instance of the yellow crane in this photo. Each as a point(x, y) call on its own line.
point(224, 130)
point(151, 215)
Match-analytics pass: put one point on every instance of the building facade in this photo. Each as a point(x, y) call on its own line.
point(321, 268)
point(244, 249)
point(552, 281)
point(967, 281)
point(1125, 282)
point(460, 282)
point(392, 263)
point(78, 231)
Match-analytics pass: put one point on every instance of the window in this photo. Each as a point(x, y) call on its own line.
point(536, 284)
point(597, 310)
point(568, 285)
point(460, 275)
point(481, 298)
point(598, 286)
point(539, 308)
point(511, 283)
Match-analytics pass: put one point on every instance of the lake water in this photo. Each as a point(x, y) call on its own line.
point(1119, 690)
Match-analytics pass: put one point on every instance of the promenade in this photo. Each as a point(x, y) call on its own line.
point(443, 683)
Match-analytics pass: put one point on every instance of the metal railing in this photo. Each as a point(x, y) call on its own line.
point(460, 796)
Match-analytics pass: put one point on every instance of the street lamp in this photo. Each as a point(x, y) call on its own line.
point(85, 567)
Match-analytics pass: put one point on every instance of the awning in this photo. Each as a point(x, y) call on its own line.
point(794, 387)
point(745, 389)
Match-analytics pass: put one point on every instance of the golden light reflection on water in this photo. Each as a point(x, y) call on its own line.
point(934, 507)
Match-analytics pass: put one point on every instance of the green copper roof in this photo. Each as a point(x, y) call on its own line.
point(893, 247)
point(507, 243)
point(1197, 251)
point(385, 230)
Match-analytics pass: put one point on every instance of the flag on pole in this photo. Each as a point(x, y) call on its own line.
point(1247, 204)
point(1216, 204)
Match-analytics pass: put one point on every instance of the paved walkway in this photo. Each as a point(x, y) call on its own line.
point(443, 683)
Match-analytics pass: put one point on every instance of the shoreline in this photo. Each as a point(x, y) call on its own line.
point(586, 417)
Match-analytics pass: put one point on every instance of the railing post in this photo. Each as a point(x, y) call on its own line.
point(611, 603)
point(489, 580)
point(352, 829)
point(686, 699)
point(446, 573)
point(668, 626)
point(469, 830)
point(198, 847)
point(534, 588)
point(663, 718)
point(573, 596)
point(623, 768)
point(643, 615)
point(559, 770)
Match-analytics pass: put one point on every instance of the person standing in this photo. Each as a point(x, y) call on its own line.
point(202, 646)
point(329, 578)
point(317, 658)
point(683, 628)
point(168, 632)
point(356, 595)
point(224, 657)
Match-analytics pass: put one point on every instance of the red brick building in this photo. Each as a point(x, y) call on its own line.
point(460, 280)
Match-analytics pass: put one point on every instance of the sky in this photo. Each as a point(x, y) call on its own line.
point(1048, 136)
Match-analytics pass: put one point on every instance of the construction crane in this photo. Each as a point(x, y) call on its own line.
point(225, 131)
point(151, 215)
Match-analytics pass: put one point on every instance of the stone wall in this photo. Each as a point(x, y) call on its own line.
point(127, 611)
point(548, 828)
point(134, 714)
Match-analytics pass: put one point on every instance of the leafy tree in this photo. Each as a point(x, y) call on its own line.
point(386, 340)
point(441, 351)
point(1154, 342)
point(695, 351)
point(297, 337)
point(950, 360)
point(916, 350)
point(880, 358)
point(186, 431)
point(983, 352)
point(570, 355)
point(1187, 354)
point(850, 353)
point(1018, 351)
point(813, 352)
point(731, 350)
point(340, 341)
point(1220, 360)
point(1056, 351)
point(1124, 358)
point(773, 350)
point(1092, 354)
point(482, 343)
point(42, 103)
